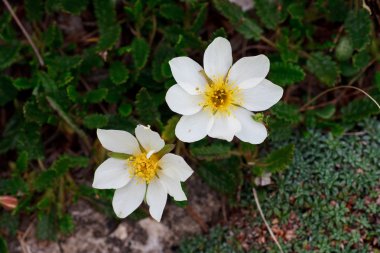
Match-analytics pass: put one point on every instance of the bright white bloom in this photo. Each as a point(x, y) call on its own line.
point(217, 101)
point(143, 175)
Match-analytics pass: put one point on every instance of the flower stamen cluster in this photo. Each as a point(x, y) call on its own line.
point(143, 168)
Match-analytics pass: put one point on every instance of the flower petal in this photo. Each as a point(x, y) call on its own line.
point(129, 198)
point(118, 141)
point(175, 167)
point(217, 59)
point(149, 140)
point(181, 102)
point(194, 127)
point(249, 71)
point(111, 174)
point(262, 96)
point(188, 74)
point(225, 126)
point(173, 187)
point(156, 197)
point(251, 131)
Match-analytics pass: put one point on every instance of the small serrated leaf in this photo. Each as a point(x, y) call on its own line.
point(287, 112)
point(140, 52)
point(358, 27)
point(93, 121)
point(168, 134)
point(147, 108)
point(324, 68)
point(118, 73)
point(218, 150)
point(276, 161)
point(285, 74)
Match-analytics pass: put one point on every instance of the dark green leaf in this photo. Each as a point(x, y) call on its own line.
point(7, 90)
point(93, 121)
point(344, 49)
point(74, 6)
point(287, 112)
point(118, 72)
point(168, 134)
point(285, 74)
point(219, 150)
point(46, 227)
point(276, 161)
point(125, 110)
point(147, 108)
point(324, 68)
point(171, 11)
point(34, 9)
point(3, 245)
point(140, 52)
point(358, 27)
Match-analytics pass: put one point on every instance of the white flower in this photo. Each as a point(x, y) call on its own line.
point(144, 175)
point(218, 100)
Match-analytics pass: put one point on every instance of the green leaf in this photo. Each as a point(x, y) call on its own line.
point(200, 18)
point(93, 121)
point(118, 73)
point(297, 10)
point(285, 74)
point(96, 95)
point(326, 112)
point(120, 156)
point(324, 68)
point(224, 176)
point(168, 134)
point(109, 29)
point(46, 227)
point(276, 161)
point(359, 109)
point(147, 108)
point(125, 110)
point(287, 112)
point(361, 59)
point(246, 26)
point(22, 161)
point(24, 83)
point(377, 80)
point(74, 6)
point(3, 245)
point(269, 13)
point(218, 150)
point(66, 224)
point(344, 49)
point(34, 9)
point(9, 53)
point(358, 27)
point(7, 90)
point(172, 11)
point(166, 149)
point(140, 52)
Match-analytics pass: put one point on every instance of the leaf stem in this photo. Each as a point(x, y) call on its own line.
point(26, 34)
point(265, 221)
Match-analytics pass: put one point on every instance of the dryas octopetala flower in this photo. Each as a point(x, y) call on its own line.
point(217, 101)
point(139, 169)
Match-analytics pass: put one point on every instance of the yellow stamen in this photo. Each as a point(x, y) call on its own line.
point(143, 168)
point(220, 95)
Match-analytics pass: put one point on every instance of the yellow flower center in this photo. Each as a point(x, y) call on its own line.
point(220, 95)
point(142, 167)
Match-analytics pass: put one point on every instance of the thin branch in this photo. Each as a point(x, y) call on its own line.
point(336, 88)
point(265, 221)
point(40, 60)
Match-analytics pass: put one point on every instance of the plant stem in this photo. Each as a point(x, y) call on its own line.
point(26, 34)
point(265, 221)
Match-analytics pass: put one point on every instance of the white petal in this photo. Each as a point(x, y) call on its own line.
point(118, 141)
point(251, 131)
point(188, 74)
point(181, 102)
point(249, 71)
point(129, 198)
point(262, 96)
point(173, 187)
point(175, 167)
point(194, 127)
point(156, 197)
point(217, 59)
point(111, 174)
point(225, 126)
point(149, 140)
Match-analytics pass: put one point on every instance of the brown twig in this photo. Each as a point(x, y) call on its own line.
point(26, 34)
point(197, 218)
point(265, 221)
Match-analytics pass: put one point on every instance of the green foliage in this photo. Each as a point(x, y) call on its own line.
point(285, 74)
point(106, 66)
point(224, 176)
point(140, 52)
point(324, 68)
point(276, 161)
point(3, 245)
point(109, 29)
point(244, 25)
point(358, 27)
